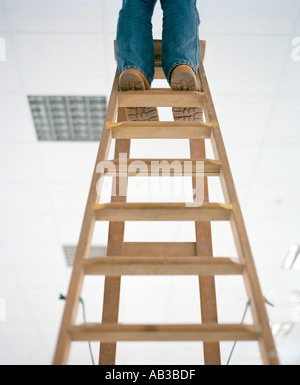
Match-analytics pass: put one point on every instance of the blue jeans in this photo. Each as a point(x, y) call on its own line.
point(180, 39)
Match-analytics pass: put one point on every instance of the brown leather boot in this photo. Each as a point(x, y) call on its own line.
point(133, 79)
point(183, 78)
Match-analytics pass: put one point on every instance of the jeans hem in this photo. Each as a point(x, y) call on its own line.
point(176, 64)
point(149, 79)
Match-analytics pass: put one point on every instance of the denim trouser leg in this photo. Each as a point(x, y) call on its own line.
point(134, 45)
point(180, 44)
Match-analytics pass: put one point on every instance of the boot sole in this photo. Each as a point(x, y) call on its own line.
point(132, 82)
point(185, 81)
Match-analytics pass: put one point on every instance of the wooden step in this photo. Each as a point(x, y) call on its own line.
point(205, 266)
point(157, 249)
point(164, 167)
point(120, 212)
point(160, 130)
point(158, 71)
point(206, 332)
point(160, 98)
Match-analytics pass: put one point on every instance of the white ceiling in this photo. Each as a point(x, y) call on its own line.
point(66, 47)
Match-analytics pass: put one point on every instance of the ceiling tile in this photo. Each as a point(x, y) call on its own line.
point(15, 120)
point(3, 257)
point(154, 353)
point(266, 230)
point(155, 299)
point(54, 15)
point(215, 190)
point(6, 356)
point(289, 348)
point(107, 190)
point(63, 64)
point(223, 244)
point(156, 232)
point(159, 149)
point(111, 9)
point(251, 65)
point(17, 309)
point(157, 189)
point(68, 199)
point(28, 346)
point(163, 313)
point(269, 258)
point(243, 119)
point(157, 21)
point(68, 162)
point(68, 229)
point(252, 17)
point(242, 161)
point(27, 229)
point(278, 164)
point(290, 81)
point(20, 162)
point(277, 201)
point(45, 278)
point(23, 199)
point(36, 254)
point(297, 27)
point(9, 76)
point(284, 124)
point(2, 20)
point(244, 352)
point(80, 354)
point(110, 71)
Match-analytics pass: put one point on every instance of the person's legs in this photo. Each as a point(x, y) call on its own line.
point(134, 43)
point(180, 35)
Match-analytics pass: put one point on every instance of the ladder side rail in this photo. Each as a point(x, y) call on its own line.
point(85, 239)
point(252, 284)
point(115, 247)
point(204, 247)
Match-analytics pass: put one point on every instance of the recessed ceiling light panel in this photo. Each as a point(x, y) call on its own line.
point(70, 251)
point(68, 118)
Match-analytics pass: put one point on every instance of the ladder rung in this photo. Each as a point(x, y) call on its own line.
point(160, 98)
point(159, 72)
point(204, 266)
point(121, 212)
point(205, 332)
point(157, 249)
point(161, 130)
point(165, 167)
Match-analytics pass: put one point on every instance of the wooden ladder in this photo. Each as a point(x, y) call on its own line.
point(196, 258)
